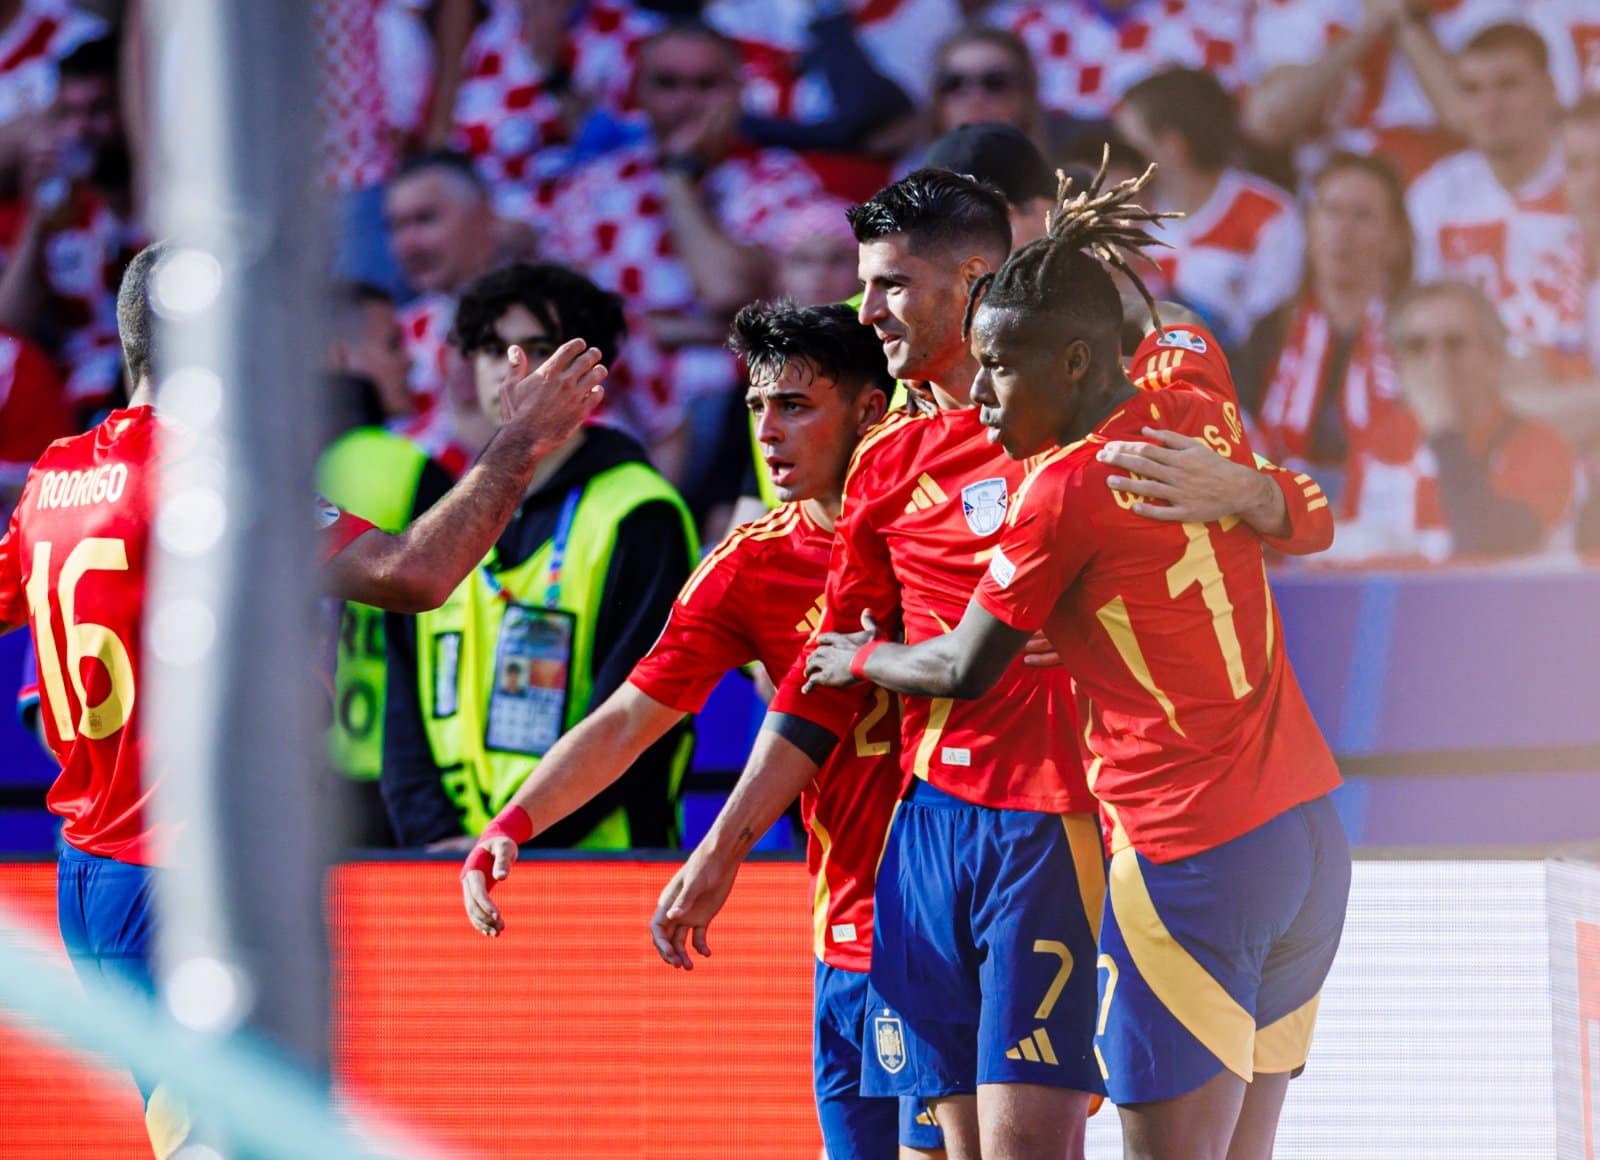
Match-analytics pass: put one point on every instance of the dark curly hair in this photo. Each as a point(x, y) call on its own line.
point(770, 335)
point(566, 304)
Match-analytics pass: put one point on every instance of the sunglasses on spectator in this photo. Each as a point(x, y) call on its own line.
point(994, 81)
point(687, 82)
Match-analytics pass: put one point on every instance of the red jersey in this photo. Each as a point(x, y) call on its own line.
point(1195, 728)
point(757, 597)
point(74, 562)
point(924, 506)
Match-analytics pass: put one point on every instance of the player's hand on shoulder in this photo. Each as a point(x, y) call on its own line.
point(486, 866)
point(692, 898)
point(830, 661)
point(1179, 478)
point(552, 400)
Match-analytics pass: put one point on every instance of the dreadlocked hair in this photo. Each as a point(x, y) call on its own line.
point(1063, 274)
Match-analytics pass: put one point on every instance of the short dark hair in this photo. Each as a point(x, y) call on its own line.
point(451, 161)
point(92, 58)
point(768, 336)
point(566, 303)
point(935, 208)
point(136, 321)
point(1381, 170)
point(348, 299)
point(1194, 105)
point(1511, 34)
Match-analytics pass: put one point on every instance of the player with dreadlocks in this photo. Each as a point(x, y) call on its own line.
point(1229, 869)
point(992, 881)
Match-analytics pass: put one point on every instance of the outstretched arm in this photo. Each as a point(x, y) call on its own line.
point(964, 664)
point(786, 756)
point(418, 569)
point(583, 763)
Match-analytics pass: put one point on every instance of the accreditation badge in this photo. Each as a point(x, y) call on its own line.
point(532, 680)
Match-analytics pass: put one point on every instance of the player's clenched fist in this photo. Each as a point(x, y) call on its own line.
point(489, 863)
point(552, 400)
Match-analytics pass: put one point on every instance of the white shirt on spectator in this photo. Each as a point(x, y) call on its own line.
point(1237, 258)
point(1380, 102)
point(30, 48)
point(610, 220)
point(1524, 250)
point(1087, 58)
point(1572, 30)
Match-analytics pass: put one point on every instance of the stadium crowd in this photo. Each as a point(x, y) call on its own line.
point(1391, 221)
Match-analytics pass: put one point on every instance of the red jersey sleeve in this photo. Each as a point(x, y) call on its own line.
point(1040, 554)
point(338, 528)
point(13, 606)
point(1189, 352)
point(704, 638)
point(860, 579)
point(1310, 517)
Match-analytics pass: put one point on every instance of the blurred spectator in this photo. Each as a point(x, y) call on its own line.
point(69, 236)
point(783, 45)
point(1236, 255)
point(1089, 53)
point(34, 411)
point(816, 254)
point(832, 78)
point(1496, 215)
point(1458, 473)
point(532, 72)
point(1316, 373)
point(579, 587)
point(1005, 158)
point(1580, 141)
point(386, 479)
point(442, 229)
point(422, 44)
point(1371, 77)
point(986, 75)
point(34, 36)
point(682, 227)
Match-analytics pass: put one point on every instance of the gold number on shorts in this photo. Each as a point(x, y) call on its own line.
point(1049, 946)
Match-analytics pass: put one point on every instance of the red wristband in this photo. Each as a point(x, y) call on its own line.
point(858, 663)
point(512, 822)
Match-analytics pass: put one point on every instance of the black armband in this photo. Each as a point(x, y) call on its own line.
point(808, 737)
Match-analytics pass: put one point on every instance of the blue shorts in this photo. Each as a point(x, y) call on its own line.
point(1217, 960)
point(856, 1126)
point(983, 947)
point(107, 913)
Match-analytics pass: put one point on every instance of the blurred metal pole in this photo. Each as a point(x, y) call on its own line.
point(231, 622)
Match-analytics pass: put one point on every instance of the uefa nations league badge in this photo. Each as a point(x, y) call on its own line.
point(984, 504)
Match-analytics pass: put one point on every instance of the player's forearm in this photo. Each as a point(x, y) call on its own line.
point(784, 760)
point(934, 668)
point(1306, 527)
point(417, 569)
point(587, 760)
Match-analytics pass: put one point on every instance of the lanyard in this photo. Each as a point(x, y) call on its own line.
point(558, 555)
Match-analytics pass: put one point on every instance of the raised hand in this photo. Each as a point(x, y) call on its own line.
point(488, 865)
point(552, 400)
